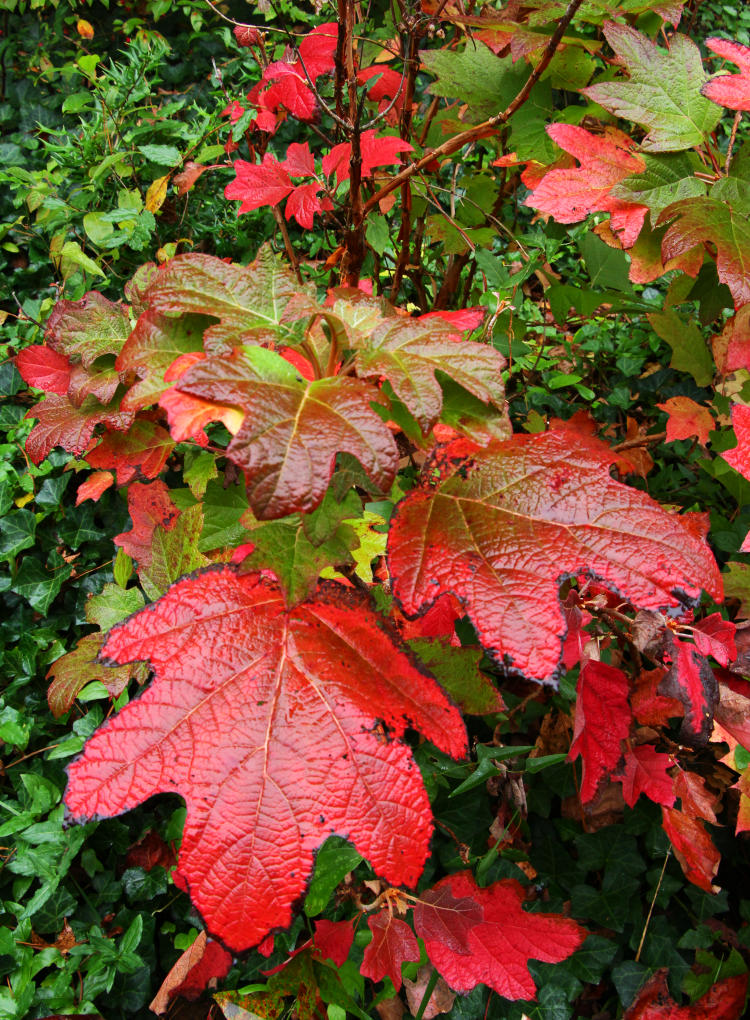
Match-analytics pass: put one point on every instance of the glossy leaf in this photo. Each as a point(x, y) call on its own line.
point(645, 772)
point(87, 329)
point(693, 847)
point(265, 721)
point(663, 93)
point(44, 368)
point(690, 680)
point(61, 423)
point(503, 942)
point(71, 672)
point(293, 429)
point(502, 533)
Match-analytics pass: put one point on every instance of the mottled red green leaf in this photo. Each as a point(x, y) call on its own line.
point(265, 720)
point(156, 342)
point(503, 942)
point(520, 516)
point(142, 451)
point(60, 423)
point(88, 328)
point(293, 428)
point(71, 672)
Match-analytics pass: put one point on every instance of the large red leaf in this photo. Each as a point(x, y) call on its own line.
point(646, 772)
point(570, 194)
point(375, 151)
point(44, 368)
point(723, 1001)
point(393, 943)
point(503, 942)
point(61, 423)
point(293, 428)
point(523, 514)
point(732, 90)
point(266, 721)
point(259, 184)
point(602, 722)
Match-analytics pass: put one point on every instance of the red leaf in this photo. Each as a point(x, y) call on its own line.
point(693, 847)
point(386, 82)
point(521, 515)
point(715, 636)
point(204, 961)
point(735, 340)
point(318, 48)
point(465, 320)
point(569, 195)
point(289, 89)
point(299, 160)
point(293, 429)
point(732, 90)
point(142, 450)
point(695, 798)
point(646, 772)
point(739, 457)
point(602, 722)
point(258, 184)
point(303, 203)
point(94, 487)
point(441, 917)
point(265, 720)
point(393, 943)
point(333, 940)
point(246, 35)
point(149, 852)
point(154, 345)
point(60, 423)
point(382, 151)
point(649, 707)
point(723, 1001)
point(188, 415)
point(686, 419)
point(504, 941)
point(690, 680)
point(190, 173)
point(44, 368)
point(149, 506)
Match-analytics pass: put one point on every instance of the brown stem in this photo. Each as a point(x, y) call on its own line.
point(486, 127)
point(290, 252)
point(732, 138)
point(629, 444)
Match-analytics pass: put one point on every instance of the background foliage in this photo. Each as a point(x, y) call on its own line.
point(103, 109)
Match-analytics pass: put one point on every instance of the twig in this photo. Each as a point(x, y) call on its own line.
point(290, 252)
point(486, 127)
point(629, 444)
point(653, 904)
point(732, 137)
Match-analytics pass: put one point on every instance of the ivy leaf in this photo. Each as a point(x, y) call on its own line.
point(570, 194)
point(88, 328)
point(602, 722)
point(733, 90)
point(503, 942)
point(393, 943)
point(523, 514)
point(293, 428)
point(265, 720)
point(664, 91)
point(706, 220)
point(259, 184)
point(646, 772)
point(249, 301)
point(409, 354)
point(44, 368)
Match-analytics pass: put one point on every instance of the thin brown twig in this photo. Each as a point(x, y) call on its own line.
point(629, 444)
point(486, 127)
point(732, 138)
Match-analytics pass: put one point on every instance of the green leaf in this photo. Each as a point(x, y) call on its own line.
point(72, 257)
point(666, 179)
point(607, 267)
point(458, 671)
point(162, 155)
point(690, 352)
point(476, 76)
point(335, 859)
point(664, 90)
point(17, 530)
point(40, 585)
point(174, 552)
point(97, 227)
point(223, 508)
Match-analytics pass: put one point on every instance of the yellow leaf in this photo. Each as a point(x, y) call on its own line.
point(85, 29)
point(157, 192)
point(23, 500)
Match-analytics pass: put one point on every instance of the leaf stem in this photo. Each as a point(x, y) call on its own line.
point(732, 138)
point(653, 904)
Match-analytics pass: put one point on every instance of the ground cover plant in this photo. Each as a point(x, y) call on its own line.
point(417, 681)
